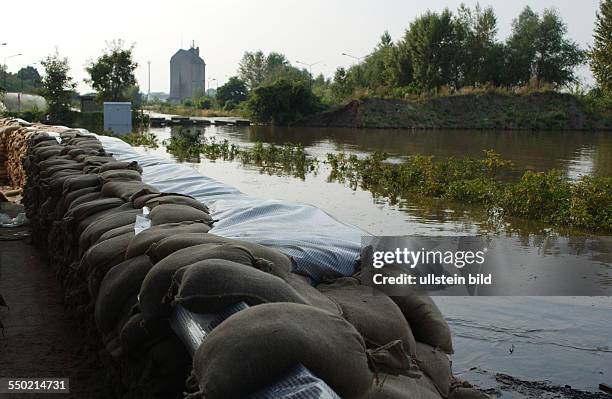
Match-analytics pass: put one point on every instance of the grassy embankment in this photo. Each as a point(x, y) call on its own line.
point(495, 109)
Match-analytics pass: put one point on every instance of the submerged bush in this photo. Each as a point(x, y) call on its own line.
point(543, 196)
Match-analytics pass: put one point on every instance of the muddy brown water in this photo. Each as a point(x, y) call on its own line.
point(561, 340)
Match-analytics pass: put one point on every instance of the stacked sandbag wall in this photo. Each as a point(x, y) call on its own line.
point(123, 281)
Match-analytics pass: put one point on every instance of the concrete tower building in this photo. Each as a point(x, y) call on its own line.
point(187, 74)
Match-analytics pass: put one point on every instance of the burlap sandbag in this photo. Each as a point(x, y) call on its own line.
point(282, 264)
point(426, 321)
point(389, 386)
point(96, 229)
point(120, 174)
point(141, 243)
point(210, 286)
point(171, 213)
point(373, 314)
point(101, 257)
point(124, 189)
point(157, 282)
point(177, 199)
point(137, 334)
point(116, 232)
point(132, 165)
point(253, 348)
point(69, 197)
point(314, 297)
point(93, 196)
point(82, 211)
point(467, 393)
point(120, 283)
point(436, 365)
point(81, 181)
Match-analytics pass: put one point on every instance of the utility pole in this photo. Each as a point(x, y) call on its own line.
point(149, 90)
point(359, 59)
point(309, 68)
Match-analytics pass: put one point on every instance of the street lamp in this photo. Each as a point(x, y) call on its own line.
point(210, 80)
point(309, 67)
point(6, 69)
point(359, 59)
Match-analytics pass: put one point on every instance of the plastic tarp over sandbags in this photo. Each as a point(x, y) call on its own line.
point(320, 245)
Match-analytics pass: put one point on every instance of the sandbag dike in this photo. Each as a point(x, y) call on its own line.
point(122, 284)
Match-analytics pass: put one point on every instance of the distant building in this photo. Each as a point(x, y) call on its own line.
point(187, 74)
point(89, 103)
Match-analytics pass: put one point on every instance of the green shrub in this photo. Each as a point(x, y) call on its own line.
point(283, 102)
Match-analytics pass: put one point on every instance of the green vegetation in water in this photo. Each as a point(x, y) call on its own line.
point(290, 159)
point(544, 196)
point(489, 181)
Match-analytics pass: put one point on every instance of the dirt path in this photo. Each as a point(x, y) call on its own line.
point(39, 339)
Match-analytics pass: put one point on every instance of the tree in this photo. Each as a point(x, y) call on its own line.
point(601, 53)
point(556, 55)
point(432, 42)
point(521, 47)
point(234, 90)
point(538, 49)
point(112, 74)
point(57, 85)
point(252, 68)
point(479, 53)
point(283, 102)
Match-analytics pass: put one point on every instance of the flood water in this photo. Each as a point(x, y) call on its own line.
point(561, 340)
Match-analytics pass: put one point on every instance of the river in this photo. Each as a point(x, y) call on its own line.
point(560, 340)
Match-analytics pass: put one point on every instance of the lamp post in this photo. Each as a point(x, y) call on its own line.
point(6, 69)
point(309, 68)
point(208, 82)
point(359, 59)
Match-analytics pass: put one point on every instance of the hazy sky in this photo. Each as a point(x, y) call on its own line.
point(307, 31)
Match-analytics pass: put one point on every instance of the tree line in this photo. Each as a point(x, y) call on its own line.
point(439, 53)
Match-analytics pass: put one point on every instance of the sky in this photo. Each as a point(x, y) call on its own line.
point(308, 31)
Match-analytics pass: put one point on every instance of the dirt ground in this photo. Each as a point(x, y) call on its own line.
point(39, 339)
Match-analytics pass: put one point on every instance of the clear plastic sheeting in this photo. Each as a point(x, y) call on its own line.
point(193, 328)
point(320, 245)
point(299, 383)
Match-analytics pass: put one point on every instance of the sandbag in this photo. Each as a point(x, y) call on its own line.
point(141, 243)
point(176, 199)
point(84, 210)
point(132, 165)
point(258, 345)
point(426, 321)
point(281, 262)
point(313, 296)
point(374, 314)
point(467, 393)
point(71, 196)
point(101, 257)
point(436, 365)
point(117, 219)
point(390, 386)
point(171, 213)
point(120, 174)
point(115, 232)
point(124, 189)
point(212, 285)
point(157, 282)
point(120, 283)
point(93, 196)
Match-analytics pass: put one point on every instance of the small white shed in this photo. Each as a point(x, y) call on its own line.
point(118, 117)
